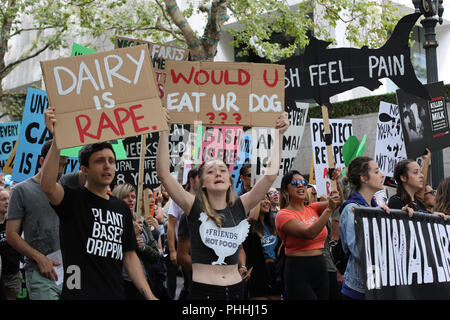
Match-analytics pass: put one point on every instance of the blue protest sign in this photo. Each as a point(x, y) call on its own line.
point(243, 157)
point(33, 134)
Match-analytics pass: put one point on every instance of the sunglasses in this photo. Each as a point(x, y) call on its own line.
point(296, 183)
point(432, 192)
point(248, 175)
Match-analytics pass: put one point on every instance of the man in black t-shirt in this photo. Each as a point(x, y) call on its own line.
point(97, 236)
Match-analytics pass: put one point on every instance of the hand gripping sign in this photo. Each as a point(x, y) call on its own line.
point(103, 96)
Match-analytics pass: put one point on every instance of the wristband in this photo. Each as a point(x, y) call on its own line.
point(242, 267)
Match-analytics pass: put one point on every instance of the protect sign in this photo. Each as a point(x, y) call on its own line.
point(224, 93)
point(103, 96)
point(341, 130)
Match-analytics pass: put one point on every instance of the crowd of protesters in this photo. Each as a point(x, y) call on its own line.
point(72, 237)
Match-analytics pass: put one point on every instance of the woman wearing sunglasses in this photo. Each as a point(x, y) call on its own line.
point(302, 229)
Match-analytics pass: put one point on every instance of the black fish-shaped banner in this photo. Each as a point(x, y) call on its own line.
point(321, 73)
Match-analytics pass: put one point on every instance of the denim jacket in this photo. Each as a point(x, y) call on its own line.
point(354, 274)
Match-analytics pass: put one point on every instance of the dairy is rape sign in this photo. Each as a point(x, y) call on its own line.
point(103, 96)
point(224, 93)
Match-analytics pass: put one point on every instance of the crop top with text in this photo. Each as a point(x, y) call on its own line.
point(232, 217)
point(308, 217)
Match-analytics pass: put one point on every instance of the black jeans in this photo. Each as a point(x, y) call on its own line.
point(201, 291)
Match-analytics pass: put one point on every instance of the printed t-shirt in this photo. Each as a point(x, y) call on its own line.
point(40, 224)
point(95, 233)
point(308, 217)
point(269, 242)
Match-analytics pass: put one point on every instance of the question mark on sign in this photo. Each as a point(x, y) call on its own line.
point(224, 117)
point(211, 116)
point(237, 117)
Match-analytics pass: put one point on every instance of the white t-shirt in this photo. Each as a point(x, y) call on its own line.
point(177, 212)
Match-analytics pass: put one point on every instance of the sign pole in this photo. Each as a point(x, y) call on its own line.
point(328, 143)
point(140, 192)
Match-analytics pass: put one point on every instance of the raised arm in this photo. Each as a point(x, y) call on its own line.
point(298, 229)
point(175, 190)
point(49, 171)
point(425, 165)
point(259, 190)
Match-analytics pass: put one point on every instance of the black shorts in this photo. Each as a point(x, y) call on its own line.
point(202, 291)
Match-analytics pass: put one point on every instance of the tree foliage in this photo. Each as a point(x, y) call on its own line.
point(55, 24)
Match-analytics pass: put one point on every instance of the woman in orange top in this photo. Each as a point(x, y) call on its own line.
point(303, 232)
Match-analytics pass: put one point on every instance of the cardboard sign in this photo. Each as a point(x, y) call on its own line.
point(220, 143)
point(160, 53)
point(9, 132)
point(425, 123)
point(341, 130)
point(224, 93)
point(389, 146)
point(321, 73)
point(103, 96)
point(127, 170)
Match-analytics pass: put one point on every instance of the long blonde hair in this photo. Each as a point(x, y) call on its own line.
point(202, 194)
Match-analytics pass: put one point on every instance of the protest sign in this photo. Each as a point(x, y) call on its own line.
point(103, 96)
point(389, 145)
point(403, 257)
point(127, 170)
point(160, 53)
point(220, 143)
point(261, 150)
point(33, 134)
point(224, 93)
point(321, 73)
point(8, 166)
point(341, 130)
point(9, 132)
point(425, 123)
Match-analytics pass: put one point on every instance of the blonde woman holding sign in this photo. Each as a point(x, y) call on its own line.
point(216, 219)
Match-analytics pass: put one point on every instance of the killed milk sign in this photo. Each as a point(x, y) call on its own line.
point(224, 93)
point(103, 96)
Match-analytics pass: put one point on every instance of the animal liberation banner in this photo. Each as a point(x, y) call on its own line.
point(127, 170)
point(321, 73)
point(403, 258)
point(341, 130)
point(160, 53)
point(425, 123)
point(224, 93)
point(32, 136)
point(264, 137)
point(389, 146)
point(103, 96)
point(9, 132)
